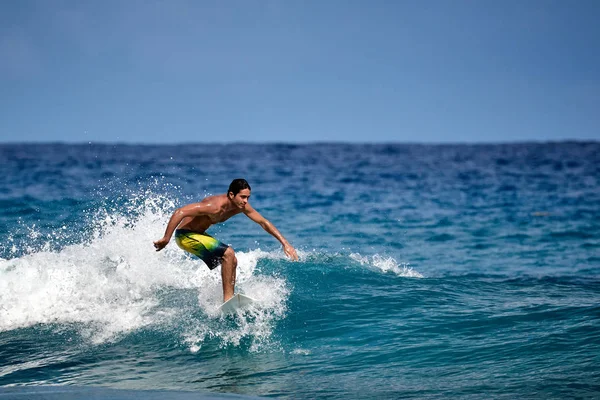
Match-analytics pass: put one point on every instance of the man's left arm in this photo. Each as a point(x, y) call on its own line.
point(255, 216)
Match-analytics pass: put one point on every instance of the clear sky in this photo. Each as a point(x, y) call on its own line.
point(299, 70)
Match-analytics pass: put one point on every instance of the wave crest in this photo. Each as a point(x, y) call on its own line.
point(386, 264)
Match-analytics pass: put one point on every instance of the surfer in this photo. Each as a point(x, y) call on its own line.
point(190, 222)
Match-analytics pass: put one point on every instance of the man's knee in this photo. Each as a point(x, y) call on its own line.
point(229, 256)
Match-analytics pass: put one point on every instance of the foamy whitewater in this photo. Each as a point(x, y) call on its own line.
point(110, 284)
point(425, 272)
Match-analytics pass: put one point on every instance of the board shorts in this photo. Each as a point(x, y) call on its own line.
point(202, 245)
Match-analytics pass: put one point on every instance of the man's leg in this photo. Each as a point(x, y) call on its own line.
point(228, 268)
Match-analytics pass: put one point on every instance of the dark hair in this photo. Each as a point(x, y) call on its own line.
point(238, 185)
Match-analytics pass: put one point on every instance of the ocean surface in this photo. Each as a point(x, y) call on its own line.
point(426, 271)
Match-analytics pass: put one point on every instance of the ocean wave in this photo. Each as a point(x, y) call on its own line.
point(113, 283)
point(386, 264)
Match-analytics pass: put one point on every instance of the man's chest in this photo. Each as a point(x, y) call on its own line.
point(222, 216)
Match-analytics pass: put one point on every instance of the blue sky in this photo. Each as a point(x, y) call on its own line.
point(299, 71)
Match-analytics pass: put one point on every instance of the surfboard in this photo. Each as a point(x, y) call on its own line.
point(235, 303)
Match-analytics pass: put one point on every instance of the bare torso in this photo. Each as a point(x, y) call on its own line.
point(202, 222)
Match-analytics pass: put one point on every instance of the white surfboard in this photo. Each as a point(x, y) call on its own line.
point(235, 303)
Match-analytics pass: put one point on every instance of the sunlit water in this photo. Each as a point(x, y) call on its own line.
point(425, 271)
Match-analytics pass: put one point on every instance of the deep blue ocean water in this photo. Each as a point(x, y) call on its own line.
point(426, 271)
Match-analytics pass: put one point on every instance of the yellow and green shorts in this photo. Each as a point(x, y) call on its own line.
point(204, 246)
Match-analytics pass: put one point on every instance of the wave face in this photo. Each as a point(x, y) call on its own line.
point(426, 271)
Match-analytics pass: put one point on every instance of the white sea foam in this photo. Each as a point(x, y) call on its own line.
point(302, 352)
point(255, 323)
point(386, 264)
point(113, 282)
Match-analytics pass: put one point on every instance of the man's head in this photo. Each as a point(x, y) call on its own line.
point(239, 192)
point(237, 185)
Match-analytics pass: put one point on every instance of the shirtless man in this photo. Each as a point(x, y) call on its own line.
point(193, 220)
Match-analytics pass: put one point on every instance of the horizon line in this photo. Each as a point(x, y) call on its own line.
point(294, 143)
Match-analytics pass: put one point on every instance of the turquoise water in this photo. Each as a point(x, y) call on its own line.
point(426, 271)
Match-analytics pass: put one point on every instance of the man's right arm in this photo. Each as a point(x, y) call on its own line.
point(191, 210)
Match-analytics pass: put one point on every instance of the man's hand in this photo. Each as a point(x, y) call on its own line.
point(160, 244)
point(290, 252)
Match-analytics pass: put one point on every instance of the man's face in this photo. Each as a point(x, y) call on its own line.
point(240, 199)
